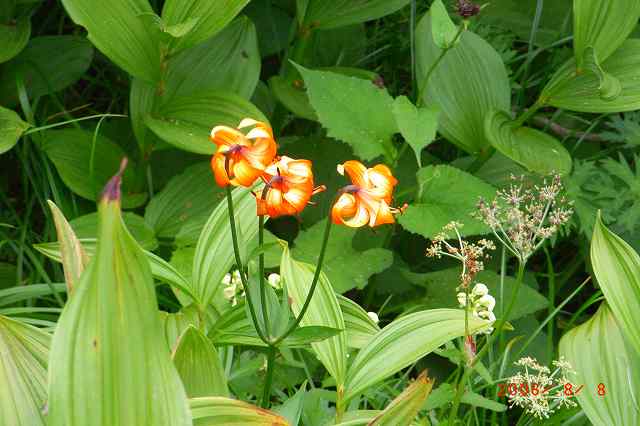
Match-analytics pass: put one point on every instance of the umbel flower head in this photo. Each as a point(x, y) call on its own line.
point(289, 187)
point(244, 155)
point(367, 200)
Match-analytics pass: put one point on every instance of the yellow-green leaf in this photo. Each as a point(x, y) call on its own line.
point(109, 362)
point(405, 407)
point(220, 411)
point(23, 373)
point(360, 328)
point(417, 125)
point(443, 30)
point(11, 129)
point(597, 352)
point(616, 266)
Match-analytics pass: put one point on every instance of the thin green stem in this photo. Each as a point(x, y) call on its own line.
point(263, 290)
point(498, 330)
point(266, 391)
point(314, 283)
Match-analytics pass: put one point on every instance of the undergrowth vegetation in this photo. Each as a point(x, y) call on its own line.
point(310, 212)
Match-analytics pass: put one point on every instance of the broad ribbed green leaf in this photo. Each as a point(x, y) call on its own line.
point(602, 25)
point(11, 128)
point(405, 407)
point(209, 17)
point(324, 310)
point(189, 196)
point(219, 411)
point(12, 295)
point(417, 125)
point(616, 266)
point(174, 324)
point(186, 122)
point(109, 362)
point(537, 151)
point(446, 194)
point(404, 342)
point(42, 71)
point(609, 86)
point(121, 30)
point(198, 364)
point(86, 227)
point(74, 259)
point(71, 150)
point(14, 37)
point(360, 328)
point(597, 352)
point(470, 81)
point(568, 90)
point(346, 267)
point(214, 251)
point(339, 13)
point(352, 110)
point(23, 373)
point(443, 30)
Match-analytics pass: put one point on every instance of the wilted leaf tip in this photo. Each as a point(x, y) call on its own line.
point(111, 190)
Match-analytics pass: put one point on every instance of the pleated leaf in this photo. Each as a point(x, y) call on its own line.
point(214, 252)
point(404, 342)
point(616, 266)
point(109, 363)
point(469, 82)
point(339, 13)
point(582, 92)
point(537, 151)
point(198, 364)
point(443, 29)
point(207, 17)
point(324, 310)
point(360, 328)
point(23, 373)
point(74, 258)
point(602, 25)
point(220, 411)
point(11, 129)
point(174, 324)
point(405, 407)
point(603, 362)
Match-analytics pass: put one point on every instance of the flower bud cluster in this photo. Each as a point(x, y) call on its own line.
point(233, 289)
point(480, 303)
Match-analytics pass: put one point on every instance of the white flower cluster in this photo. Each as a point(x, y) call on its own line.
point(481, 303)
point(233, 289)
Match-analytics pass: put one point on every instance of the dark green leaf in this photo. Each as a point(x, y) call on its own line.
point(14, 36)
point(346, 12)
point(11, 129)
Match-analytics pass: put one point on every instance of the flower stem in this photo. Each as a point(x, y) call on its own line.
point(314, 283)
point(266, 391)
point(487, 345)
point(236, 251)
point(263, 296)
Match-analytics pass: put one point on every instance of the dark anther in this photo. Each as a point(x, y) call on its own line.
point(467, 9)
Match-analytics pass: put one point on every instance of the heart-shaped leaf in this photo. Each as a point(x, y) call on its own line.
point(417, 125)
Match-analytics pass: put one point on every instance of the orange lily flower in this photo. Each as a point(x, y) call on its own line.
point(289, 188)
point(247, 154)
point(368, 199)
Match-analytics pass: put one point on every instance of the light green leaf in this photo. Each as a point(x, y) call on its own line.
point(537, 151)
point(42, 71)
point(404, 342)
point(610, 86)
point(616, 266)
point(443, 30)
point(111, 329)
point(360, 328)
point(188, 196)
point(181, 29)
point(118, 30)
point(597, 352)
point(214, 251)
point(186, 122)
point(174, 324)
point(70, 150)
point(198, 364)
point(581, 92)
point(323, 310)
point(405, 407)
point(218, 411)
point(23, 373)
point(417, 125)
point(74, 258)
point(446, 194)
point(14, 37)
point(339, 13)
point(12, 295)
point(210, 17)
point(86, 227)
point(11, 129)
point(345, 266)
point(353, 110)
point(469, 81)
point(602, 25)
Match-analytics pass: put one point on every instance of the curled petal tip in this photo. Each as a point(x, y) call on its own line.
point(111, 190)
point(246, 122)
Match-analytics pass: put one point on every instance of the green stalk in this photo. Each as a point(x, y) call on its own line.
point(263, 296)
point(266, 391)
point(314, 283)
point(487, 345)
